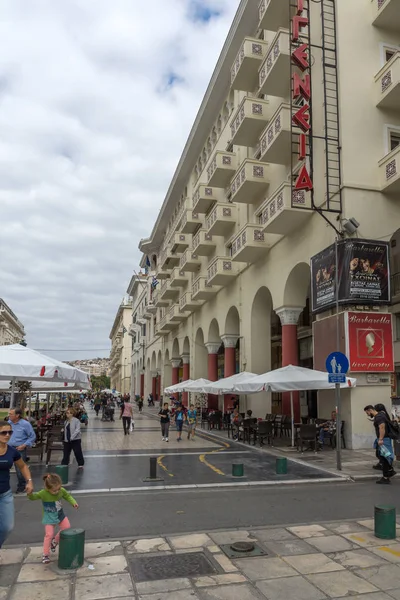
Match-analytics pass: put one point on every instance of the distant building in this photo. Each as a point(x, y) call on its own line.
point(121, 348)
point(11, 329)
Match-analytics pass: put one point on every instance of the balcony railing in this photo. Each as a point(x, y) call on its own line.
point(249, 244)
point(188, 304)
point(175, 316)
point(275, 141)
point(202, 290)
point(248, 122)
point(151, 307)
point(282, 213)
point(222, 168)
point(273, 14)
point(204, 197)
point(222, 271)
point(189, 262)
point(179, 242)
point(389, 168)
point(178, 278)
point(387, 84)
point(251, 182)
point(221, 219)
point(272, 79)
point(167, 292)
point(203, 243)
point(244, 71)
point(386, 14)
point(190, 221)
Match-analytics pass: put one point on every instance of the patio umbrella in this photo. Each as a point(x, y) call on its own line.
point(226, 385)
point(177, 387)
point(196, 386)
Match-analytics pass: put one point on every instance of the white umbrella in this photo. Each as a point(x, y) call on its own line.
point(177, 387)
point(226, 385)
point(195, 386)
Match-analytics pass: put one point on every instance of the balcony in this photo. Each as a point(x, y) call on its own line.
point(167, 292)
point(203, 244)
point(168, 259)
point(275, 142)
point(204, 197)
point(175, 316)
point(387, 84)
point(249, 121)
point(249, 244)
point(147, 314)
point(158, 301)
point(386, 14)
point(250, 183)
point(164, 327)
point(222, 271)
point(273, 14)
point(188, 304)
point(222, 168)
point(202, 290)
point(189, 262)
point(389, 168)
point(281, 213)
point(221, 219)
point(178, 278)
point(180, 242)
point(151, 307)
point(161, 273)
point(190, 221)
point(244, 72)
point(274, 76)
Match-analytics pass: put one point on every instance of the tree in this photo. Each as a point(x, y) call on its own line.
point(22, 388)
point(100, 382)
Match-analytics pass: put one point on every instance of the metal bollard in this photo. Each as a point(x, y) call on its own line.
point(385, 522)
point(237, 470)
point(281, 466)
point(72, 549)
point(62, 471)
point(153, 470)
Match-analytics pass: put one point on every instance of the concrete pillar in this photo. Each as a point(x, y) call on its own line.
point(212, 349)
point(230, 341)
point(176, 363)
point(289, 317)
point(142, 384)
point(186, 375)
point(154, 376)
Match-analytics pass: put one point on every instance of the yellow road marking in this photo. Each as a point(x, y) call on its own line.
point(389, 550)
point(358, 539)
point(203, 459)
point(160, 464)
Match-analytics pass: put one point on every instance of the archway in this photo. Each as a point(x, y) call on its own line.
point(297, 286)
point(175, 349)
point(213, 332)
point(200, 356)
point(261, 312)
point(166, 378)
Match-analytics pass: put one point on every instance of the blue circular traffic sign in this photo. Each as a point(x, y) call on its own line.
point(337, 363)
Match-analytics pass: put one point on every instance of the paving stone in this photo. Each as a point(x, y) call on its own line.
point(12, 556)
point(186, 551)
point(313, 563)
point(163, 585)
point(394, 594)
point(103, 565)
point(309, 531)
point(264, 568)
point(290, 547)
point(354, 559)
point(179, 595)
point(230, 592)
point(149, 545)
point(108, 586)
point(367, 540)
point(190, 541)
point(273, 535)
point(370, 524)
point(229, 537)
point(373, 596)
point(346, 527)
point(93, 549)
point(390, 553)
point(225, 563)
point(39, 572)
point(49, 590)
point(34, 554)
point(337, 585)
point(219, 580)
point(290, 587)
point(8, 574)
point(331, 543)
point(385, 577)
point(213, 549)
point(4, 592)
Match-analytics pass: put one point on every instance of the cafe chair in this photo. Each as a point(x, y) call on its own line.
point(307, 435)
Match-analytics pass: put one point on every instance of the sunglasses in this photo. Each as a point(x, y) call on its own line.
point(8, 432)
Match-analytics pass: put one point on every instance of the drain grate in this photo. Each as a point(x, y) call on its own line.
point(172, 566)
point(243, 550)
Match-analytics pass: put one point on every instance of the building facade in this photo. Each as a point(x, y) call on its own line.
point(296, 146)
point(120, 355)
point(11, 329)
point(143, 310)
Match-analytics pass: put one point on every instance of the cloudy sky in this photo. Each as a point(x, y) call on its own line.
point(97, 98)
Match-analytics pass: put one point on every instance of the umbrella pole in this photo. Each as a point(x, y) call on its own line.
point(12, 392)
point(292, 417)
point(29, 404)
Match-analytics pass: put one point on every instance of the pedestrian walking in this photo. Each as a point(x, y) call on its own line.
point(72, 439)
point(53, 513)
point(165, 419)
point(9, 457)
point(97, 405)
point(23, 437)
point(126, 416)
point(179, 420)
point(383, 444)
point(140, 405)
point(191, 419)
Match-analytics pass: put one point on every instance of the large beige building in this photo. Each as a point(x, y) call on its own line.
point(120, 355)
point(11, 329)
point(296, 145)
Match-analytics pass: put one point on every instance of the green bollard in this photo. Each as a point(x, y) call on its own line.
point(237, 470)
point(385, 522)
point(62, 471)
point(281, 466)
point(72, 549)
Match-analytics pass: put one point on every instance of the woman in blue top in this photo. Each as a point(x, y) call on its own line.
point(191, 418)
point(179, 420)
point(8, 457)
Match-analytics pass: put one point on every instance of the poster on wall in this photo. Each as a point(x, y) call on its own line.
point(363, 274)
point(369, 342)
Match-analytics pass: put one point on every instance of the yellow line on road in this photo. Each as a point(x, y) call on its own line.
point(389, 550)
point(160, 464)
point(203, 459)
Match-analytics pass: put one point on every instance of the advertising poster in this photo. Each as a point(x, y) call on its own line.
point(323, 279)
point(369, 341)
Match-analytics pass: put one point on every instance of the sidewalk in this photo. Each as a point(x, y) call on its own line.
point(310, 562)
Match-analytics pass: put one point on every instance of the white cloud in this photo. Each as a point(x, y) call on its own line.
point(90, 135)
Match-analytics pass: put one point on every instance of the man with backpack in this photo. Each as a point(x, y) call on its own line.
point(386, 431)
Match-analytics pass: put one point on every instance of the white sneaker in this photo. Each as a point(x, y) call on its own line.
point(163, 439)
point(166, 439)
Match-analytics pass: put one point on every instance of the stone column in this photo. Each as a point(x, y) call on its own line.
point(230, 341)
point(142, 384)
point(212, 349)
point(176, 363)
point(186, 375)
point(154, 376)
point(289, 316)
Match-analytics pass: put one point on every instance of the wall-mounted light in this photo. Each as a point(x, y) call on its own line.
point(350, 225)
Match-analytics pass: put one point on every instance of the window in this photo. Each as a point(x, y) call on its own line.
point(389, 54)
point(397, 327)
point(394, 140)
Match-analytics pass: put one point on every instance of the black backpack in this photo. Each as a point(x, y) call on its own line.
point(393, 430)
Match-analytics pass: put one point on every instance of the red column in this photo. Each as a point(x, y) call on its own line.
point(141, 385)
point(186, 376)
point(230, 342)
point(154, 385)
point(289, 317)
point(212, 349)
point(175, 372)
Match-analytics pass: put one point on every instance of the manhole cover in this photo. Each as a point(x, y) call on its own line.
point(173, 566)
point(243, 547)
